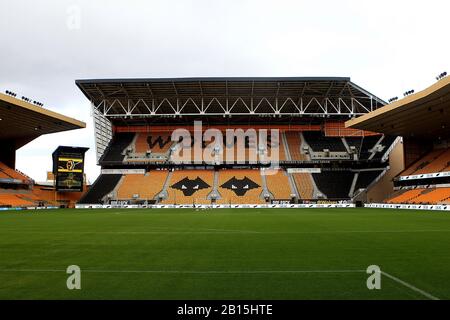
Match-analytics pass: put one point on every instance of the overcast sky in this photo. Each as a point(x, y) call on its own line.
point(385, 46)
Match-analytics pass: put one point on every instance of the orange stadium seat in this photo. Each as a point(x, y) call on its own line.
point(14, 200)
point(278, 184)
point(304, 184)
point(419, 166)
point(406, 196)
point(240, 186)
point(155, 142)
point(439, 163)
point(9, 173)
point(190, 186)
point(145, 187)
point(294, 142)
point(432, 196)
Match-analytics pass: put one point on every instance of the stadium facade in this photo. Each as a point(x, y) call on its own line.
point(307, 156)
point(423, 121)
point(20, 123)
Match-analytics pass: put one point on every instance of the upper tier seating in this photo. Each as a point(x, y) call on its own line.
point(305, 187)
point(154, 142)
point(116, 147)
point(318, 142)
point(334, 184)
point(190, 186)
point(231, 152)
point(294, 142)
point(184, 154)
point(439, 163)
point(104, 184)
point(140, 186)
point(9, 173)
point(278, 184)
point(434, 161)
point(240, 186)
point(363, 145)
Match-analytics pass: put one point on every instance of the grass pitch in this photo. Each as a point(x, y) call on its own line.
point(225, 253)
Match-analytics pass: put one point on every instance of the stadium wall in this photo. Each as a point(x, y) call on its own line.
point(385, 187)
point(408, 206)
point(217, 206)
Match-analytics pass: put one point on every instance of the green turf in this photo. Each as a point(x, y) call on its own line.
point(224, 253)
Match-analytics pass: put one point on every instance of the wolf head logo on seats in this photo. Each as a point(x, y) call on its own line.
point(189, 187)
point(240, 187)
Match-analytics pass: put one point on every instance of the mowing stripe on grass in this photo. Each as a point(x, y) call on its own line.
point(189, 271)
point(220, 231)
point(404, 283)
point(410, 286)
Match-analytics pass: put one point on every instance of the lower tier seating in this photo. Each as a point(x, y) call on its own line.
point(190, 186)
point(423, 196)
point(143, 187)
point(240, 186)
point(278, 184)
point(305, 187)
point(15, 200)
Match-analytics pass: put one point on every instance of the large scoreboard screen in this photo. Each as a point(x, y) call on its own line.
point(68, 168)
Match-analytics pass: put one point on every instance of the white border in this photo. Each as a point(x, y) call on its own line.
point(440, 207)
point(217, 206)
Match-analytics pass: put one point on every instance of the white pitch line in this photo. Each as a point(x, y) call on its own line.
point(404, 283)
point(410, 286)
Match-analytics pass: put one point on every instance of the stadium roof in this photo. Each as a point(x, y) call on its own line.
point(423, 114)
point(23, 122)
point(134, 98)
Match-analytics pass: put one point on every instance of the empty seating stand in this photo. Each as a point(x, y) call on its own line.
point(438, 163)
point(240, 186)
point(140, 186)
point(278, 184)
point(294, 143)
point(363, 145)
point(334, 184)
point(9, 173)
point(318, 142)
point(15, 200)
point(365, 178)
point(434, 161)
point(305, 187)
point(116, 148)
point(423, 196)
point(154, 142)
point(104, 184)
point(190, 186)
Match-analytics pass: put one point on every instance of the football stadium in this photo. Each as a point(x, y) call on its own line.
point(232, 188)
